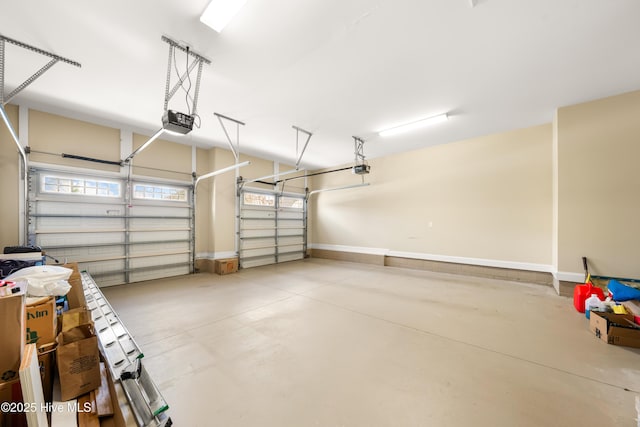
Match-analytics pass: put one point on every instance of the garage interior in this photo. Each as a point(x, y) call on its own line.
point(374, 277)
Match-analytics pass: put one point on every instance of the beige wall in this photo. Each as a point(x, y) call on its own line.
point(599, 186)
point(203, 232)
point(56, 134)
point(487, 198)
point(223, 201)
point(9, 172)
point(257, 169)
point(162, 159)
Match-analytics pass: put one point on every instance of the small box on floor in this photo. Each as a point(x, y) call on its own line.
point(226, 266)
point(616, 329)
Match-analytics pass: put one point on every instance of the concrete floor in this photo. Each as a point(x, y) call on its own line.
point(328, 343)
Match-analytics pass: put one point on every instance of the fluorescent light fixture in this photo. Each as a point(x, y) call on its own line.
point(414, 125)
point(220, 12)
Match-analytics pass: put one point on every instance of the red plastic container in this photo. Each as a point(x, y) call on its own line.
point(584, 291)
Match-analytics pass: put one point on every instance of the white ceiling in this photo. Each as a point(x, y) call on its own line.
point(335, 67)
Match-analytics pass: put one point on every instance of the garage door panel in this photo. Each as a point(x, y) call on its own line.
point(289, 214)
point(106, 280)
point(109, 272)
point(248, 224)
point(159, 273)
point(53, 224)
point(263, 213)
point(270, 233)
point(72, 206)
point(291, 231)
point(82, 254)
point(256, 233)
point(159, 224)
point(55, 240)
point(153, 260)
point(289, 257)
point(154, 236)
point(160, 210)
point(258, 243)
point(253, 252)
point(284, 241)
point(257, 262)
point(153, 248)
point(90, 220)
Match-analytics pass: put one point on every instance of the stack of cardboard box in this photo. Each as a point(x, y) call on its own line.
point(68, 356)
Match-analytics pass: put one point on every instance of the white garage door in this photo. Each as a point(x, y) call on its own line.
point(273, 228)
point(119, 232)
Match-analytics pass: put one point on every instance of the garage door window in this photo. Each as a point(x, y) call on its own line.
point(80, 186)
point(154, 192)
point(291, 202)
point(259, 199)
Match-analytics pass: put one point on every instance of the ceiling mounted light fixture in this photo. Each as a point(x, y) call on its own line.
point(220, 12)
point(414, 125)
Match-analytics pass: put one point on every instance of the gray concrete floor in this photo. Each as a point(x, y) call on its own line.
point(328, 343)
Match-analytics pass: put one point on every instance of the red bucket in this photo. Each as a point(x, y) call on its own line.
point(584, 291)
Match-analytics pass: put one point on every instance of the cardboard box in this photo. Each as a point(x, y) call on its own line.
point(615, 329)
point(73, 318)
point(75, 296)
point(41, 321)
point(226, 265)
point(12, 335)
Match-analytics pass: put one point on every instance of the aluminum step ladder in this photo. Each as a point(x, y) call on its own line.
point(124, 359)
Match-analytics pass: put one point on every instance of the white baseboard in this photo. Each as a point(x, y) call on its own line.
point(567, 276)
point(354, 249)
point(204, 255)
point(513, 265)
point(216, 255)
point(226, 254)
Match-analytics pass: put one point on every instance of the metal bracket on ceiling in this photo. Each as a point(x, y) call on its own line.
point(235, 148)
point(4, 99)
point(309, 135)
point(199, 60)
point(359, 149)
point(169, 92)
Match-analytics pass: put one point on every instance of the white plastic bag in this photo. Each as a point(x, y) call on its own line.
point(44, 280)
